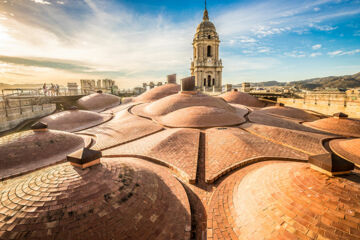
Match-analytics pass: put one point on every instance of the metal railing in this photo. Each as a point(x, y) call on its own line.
point(21, 99)
point(9, 92)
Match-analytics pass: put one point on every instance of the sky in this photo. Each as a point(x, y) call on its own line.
point(132, 42)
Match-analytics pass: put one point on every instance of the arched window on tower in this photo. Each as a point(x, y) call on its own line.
point(204, 82)
point(209, 81)
point(209, 37)
point(209, 51)
point(213, 83)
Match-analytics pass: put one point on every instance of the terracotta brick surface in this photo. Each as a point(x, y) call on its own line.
point(29, 150)
point(289, 112)
point(98, 102)
point(178, 101)
point(340, 126)
point(271, 200)
point(118, 199)
point(201, 116)
point(309, 143)
point(348, 149)
point(232, 147)
point(267, 119)
point(224, 188)
point(122, 128)
point(176, 147)
point(242, 98)
point(74, 120)
point(158, 92)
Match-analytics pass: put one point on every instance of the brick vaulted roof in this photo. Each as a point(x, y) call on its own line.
point(201, 116)
point(158, 92)
point(348, 149)
point(98, 102)
point(285, 201)
point(178, 101)
point(289, 112)
point(118, 199)
point(242, 98)
point(25, 151)
point(179, 166)
point(340, 126)
point(74, 120)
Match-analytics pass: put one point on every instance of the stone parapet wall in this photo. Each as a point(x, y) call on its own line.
point(327, 105)
point(14, 115)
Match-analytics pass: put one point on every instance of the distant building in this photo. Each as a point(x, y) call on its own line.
point(245, 87)
point(72, 88)
point(206, 65)
point(105, 85)
point(228, 87)
point(171, 78)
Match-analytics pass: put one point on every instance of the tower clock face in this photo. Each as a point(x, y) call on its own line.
point(209, 60)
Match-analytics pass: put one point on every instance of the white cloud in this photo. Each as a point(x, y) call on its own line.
point(263, 49)
point(316, 9)
point(334, 53)
point(341, 53)
point(325, 28)
point(144, 46)
point(247, 40)
point(316, 46)
point(315, 54)
point(263, 31)
point(41, 2)
point(295, 54)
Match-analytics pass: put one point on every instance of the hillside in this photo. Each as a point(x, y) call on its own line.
point(347, 81)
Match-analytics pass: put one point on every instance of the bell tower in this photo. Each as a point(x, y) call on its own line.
point(206, 65)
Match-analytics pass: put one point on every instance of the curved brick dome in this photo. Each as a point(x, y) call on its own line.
point(25, 151)
point(158, 92)
point(285, 201)
point(98, 102)
point(347, 149)
point(73, 120)
point(242, 98)
point(340, 126)
point(200, 116)
point(289, 112)
point(178, 101)
point(117, 199)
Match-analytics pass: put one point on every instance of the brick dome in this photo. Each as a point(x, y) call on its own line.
point(158, 92)
point(117, 199)
point(347, 149)
point(98, 102)
point(178, 101)
point(285, 201)
point(201, 116)
point(340, 126)
point(242, 98)
point(25, 151)
point(73, 120)
point(289, 112)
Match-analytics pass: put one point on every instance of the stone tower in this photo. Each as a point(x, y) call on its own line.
point(206, 65)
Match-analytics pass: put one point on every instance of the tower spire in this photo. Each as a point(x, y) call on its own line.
point(206, 15)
